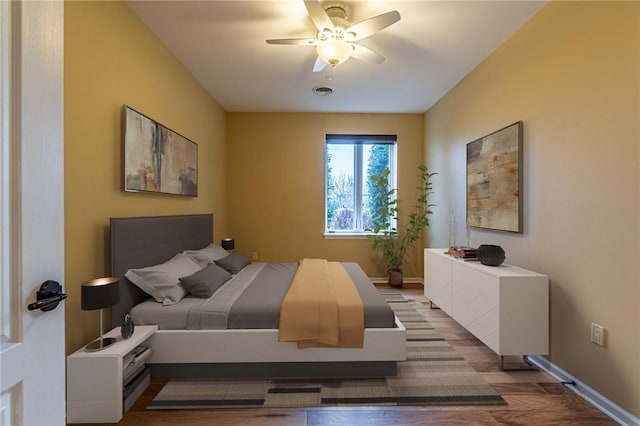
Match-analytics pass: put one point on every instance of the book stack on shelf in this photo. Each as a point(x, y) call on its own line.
point(134, 374)
point(463, 252)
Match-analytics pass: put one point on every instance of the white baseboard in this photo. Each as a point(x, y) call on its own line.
point(608, 407)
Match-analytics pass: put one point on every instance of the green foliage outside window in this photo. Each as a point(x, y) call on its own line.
point(378, 162)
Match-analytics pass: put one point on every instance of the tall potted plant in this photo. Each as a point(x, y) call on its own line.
point(388, 235)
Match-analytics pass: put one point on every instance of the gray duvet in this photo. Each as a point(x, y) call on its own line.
point(251, 300)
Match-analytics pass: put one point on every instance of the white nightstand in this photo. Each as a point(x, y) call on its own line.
point(94, 379)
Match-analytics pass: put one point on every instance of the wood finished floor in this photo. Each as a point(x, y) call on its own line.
point(534, 398)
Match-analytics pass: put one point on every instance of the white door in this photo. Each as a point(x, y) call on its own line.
point(31, 211)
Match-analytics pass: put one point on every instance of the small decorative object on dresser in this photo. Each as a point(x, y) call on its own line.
point(462, 252)
point(127, 327)
point(490, 255)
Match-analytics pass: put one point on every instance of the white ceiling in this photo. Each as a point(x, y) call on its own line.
point(434, 46)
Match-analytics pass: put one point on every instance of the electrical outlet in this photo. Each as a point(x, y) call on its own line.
point(254, 255)
point(597, 334)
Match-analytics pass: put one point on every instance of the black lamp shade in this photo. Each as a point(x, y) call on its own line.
point(228, 243)
point(100, 293)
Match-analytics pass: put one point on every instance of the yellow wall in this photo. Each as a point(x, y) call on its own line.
point(572, 74)
point(276, 183)
point(112, 59)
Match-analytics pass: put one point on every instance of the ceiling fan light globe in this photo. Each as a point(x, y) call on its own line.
point(334, 51)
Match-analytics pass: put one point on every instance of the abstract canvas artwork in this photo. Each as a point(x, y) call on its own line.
point(157, 159)
point(494, 180)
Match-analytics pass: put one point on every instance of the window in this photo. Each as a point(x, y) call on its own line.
point(350, 161)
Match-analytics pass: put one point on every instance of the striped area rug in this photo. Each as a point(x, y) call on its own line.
point(433, 374)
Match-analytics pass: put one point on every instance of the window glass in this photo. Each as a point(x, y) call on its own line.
point(350, 193)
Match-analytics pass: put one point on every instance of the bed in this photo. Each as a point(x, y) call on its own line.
point(139, 242)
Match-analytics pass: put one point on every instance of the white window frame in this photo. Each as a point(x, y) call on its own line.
point(358, 142)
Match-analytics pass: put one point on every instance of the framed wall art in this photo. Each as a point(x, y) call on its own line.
point(494, 180)
point(157, 159)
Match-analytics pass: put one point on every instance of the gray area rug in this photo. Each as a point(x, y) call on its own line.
point(433, 374)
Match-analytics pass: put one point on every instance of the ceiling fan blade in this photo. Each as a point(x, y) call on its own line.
point(319, 65)
point(295, 41)
point(371, 26)
point(318, 15)
point(365, 54)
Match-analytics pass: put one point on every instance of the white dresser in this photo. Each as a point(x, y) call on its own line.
point(504, 306)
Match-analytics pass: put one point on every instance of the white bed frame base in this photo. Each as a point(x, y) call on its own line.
point(262, 346)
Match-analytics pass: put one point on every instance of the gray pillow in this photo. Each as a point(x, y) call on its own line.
point(205, 282)
point(206, 255)
point(162, 282)
point(234, 262)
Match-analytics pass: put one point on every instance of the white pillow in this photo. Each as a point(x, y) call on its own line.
point(162, 282)
point(206, 255)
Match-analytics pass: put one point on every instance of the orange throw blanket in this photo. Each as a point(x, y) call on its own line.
point(322, 307)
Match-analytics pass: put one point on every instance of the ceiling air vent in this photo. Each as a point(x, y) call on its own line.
point(323, 90)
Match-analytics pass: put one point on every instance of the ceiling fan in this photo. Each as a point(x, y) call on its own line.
point(335, 41)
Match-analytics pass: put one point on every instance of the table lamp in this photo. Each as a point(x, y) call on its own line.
point(99, 294)
point(228, 243)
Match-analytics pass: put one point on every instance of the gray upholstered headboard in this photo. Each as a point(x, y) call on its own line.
point(137, 242)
